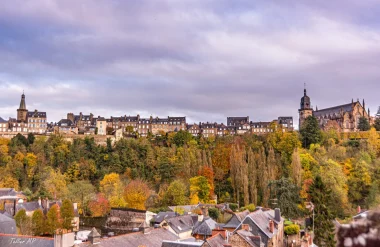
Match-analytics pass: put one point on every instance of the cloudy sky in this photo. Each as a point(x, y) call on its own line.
point(205, 59)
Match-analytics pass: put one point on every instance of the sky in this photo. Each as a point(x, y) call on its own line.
point(203, 59)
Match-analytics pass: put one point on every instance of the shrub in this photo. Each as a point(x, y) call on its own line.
point(292, 229)
point(250, 207)
point(213, 213)
point(233, 206)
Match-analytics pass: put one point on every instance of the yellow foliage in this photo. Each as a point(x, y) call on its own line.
point(111, 185)
point(31, 162)
point(9, 182)
point(19, 156)
point(136, 193)
point(194, 199)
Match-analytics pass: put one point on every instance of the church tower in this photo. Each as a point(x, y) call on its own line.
point(22, 111)
point(305, 109)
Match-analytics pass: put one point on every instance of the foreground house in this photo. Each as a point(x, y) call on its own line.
point(266, 223)
point(235, 220)
point(244, 238)
point(203, 229)
point(181, 226)
point(148, 238)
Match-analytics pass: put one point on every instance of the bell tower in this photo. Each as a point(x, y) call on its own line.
point(22, 111)
point(305, 108)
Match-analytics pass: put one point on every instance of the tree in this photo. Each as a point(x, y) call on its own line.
point(296, 168)
point(55, 184)
point(53, 219)
point(23, 222)
point(112, 187)
point(136, 193)
point(320, 195)
point(364, 124)
point(287, 195)
point(82, 192)
point(99, 206)
point(181, 138)
point(67, 214)
point(176, 194)
point(376, 125)
point(38, 222)
point(310, 132)
point(199, 189)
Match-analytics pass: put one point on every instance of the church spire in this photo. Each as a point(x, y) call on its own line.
point(22, 103)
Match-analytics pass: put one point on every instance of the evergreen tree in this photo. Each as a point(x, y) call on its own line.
point(53, 219)
point(38, 222)
point(320, 196)
point(310, 132)
point(67, 214)
point(364, 124)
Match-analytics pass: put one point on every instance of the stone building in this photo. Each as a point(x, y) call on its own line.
point(260, 128)
point(159, 125)
point(22, 111)
point(177, 123)
point(237, 121)
point(101, 125)
point(4, 126)
point(345, 116)
point(37, 122)
point(194, 129)
point(208, 129)
point(65, 126)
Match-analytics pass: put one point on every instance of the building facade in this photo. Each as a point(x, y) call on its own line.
point(345, 116)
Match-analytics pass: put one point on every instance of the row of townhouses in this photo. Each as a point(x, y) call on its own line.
point(36, 122)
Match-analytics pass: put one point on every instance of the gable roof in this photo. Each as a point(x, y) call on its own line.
point(205, 227)
point(36, 114)
point(152, 239)
point(10, 240)
point(261, 219)
point(28, 206)
point(180, 244)
point(2, 120)
point(335, 109)
point(7, 225)
point(252, 240)
point(183, 223)
point(216, 241)
point(236, 219)
point(163, 215)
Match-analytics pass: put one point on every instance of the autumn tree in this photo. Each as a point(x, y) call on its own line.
point(112, 187)
point(38, 222)
point(53, 219)
point(296, 168)
point(136, 193)
point(23, 222)
point(55, 184)
point(199, 190)
point(99, 206)
point(81, 192)
point(176, 194)
point(67, 214)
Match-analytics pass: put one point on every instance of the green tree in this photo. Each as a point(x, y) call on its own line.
point(364, 124)
point(376, 125)
point(23, 222)
point(176, 194)
point(67, 214)
point(320, 195)
point(182, 137)
point(213, 213)
point(310, 132)
point(81, 192)
point(38, 222)
point(53, 219)
point(287, 195)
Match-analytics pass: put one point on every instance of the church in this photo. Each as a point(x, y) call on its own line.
point(344, 117)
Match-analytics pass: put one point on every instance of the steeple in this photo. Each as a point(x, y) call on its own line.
point(22, 103)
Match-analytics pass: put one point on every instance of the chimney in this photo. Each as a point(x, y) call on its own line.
point(200, 217)
point(47, 203)
point(271, 226)
point(245, 227)
point(75, 205)
point(94, 236)
point(277, 215)
point(39, 201)
point(359, 210)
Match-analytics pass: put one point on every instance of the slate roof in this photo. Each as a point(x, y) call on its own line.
point(182, 223)
point(7, 225)
point(65, 122)
point(163, 215)
point(152, 239)
point(205, 227)
point(180, 244)
point(216, 241)
point(8, 193)
point(260, 124)
point(36, 114)
point(28, 206)
point(236, 219)
point(334, 110)
point(9, 240)
point(2, 120)
point(252, 240)
point(261, 218)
